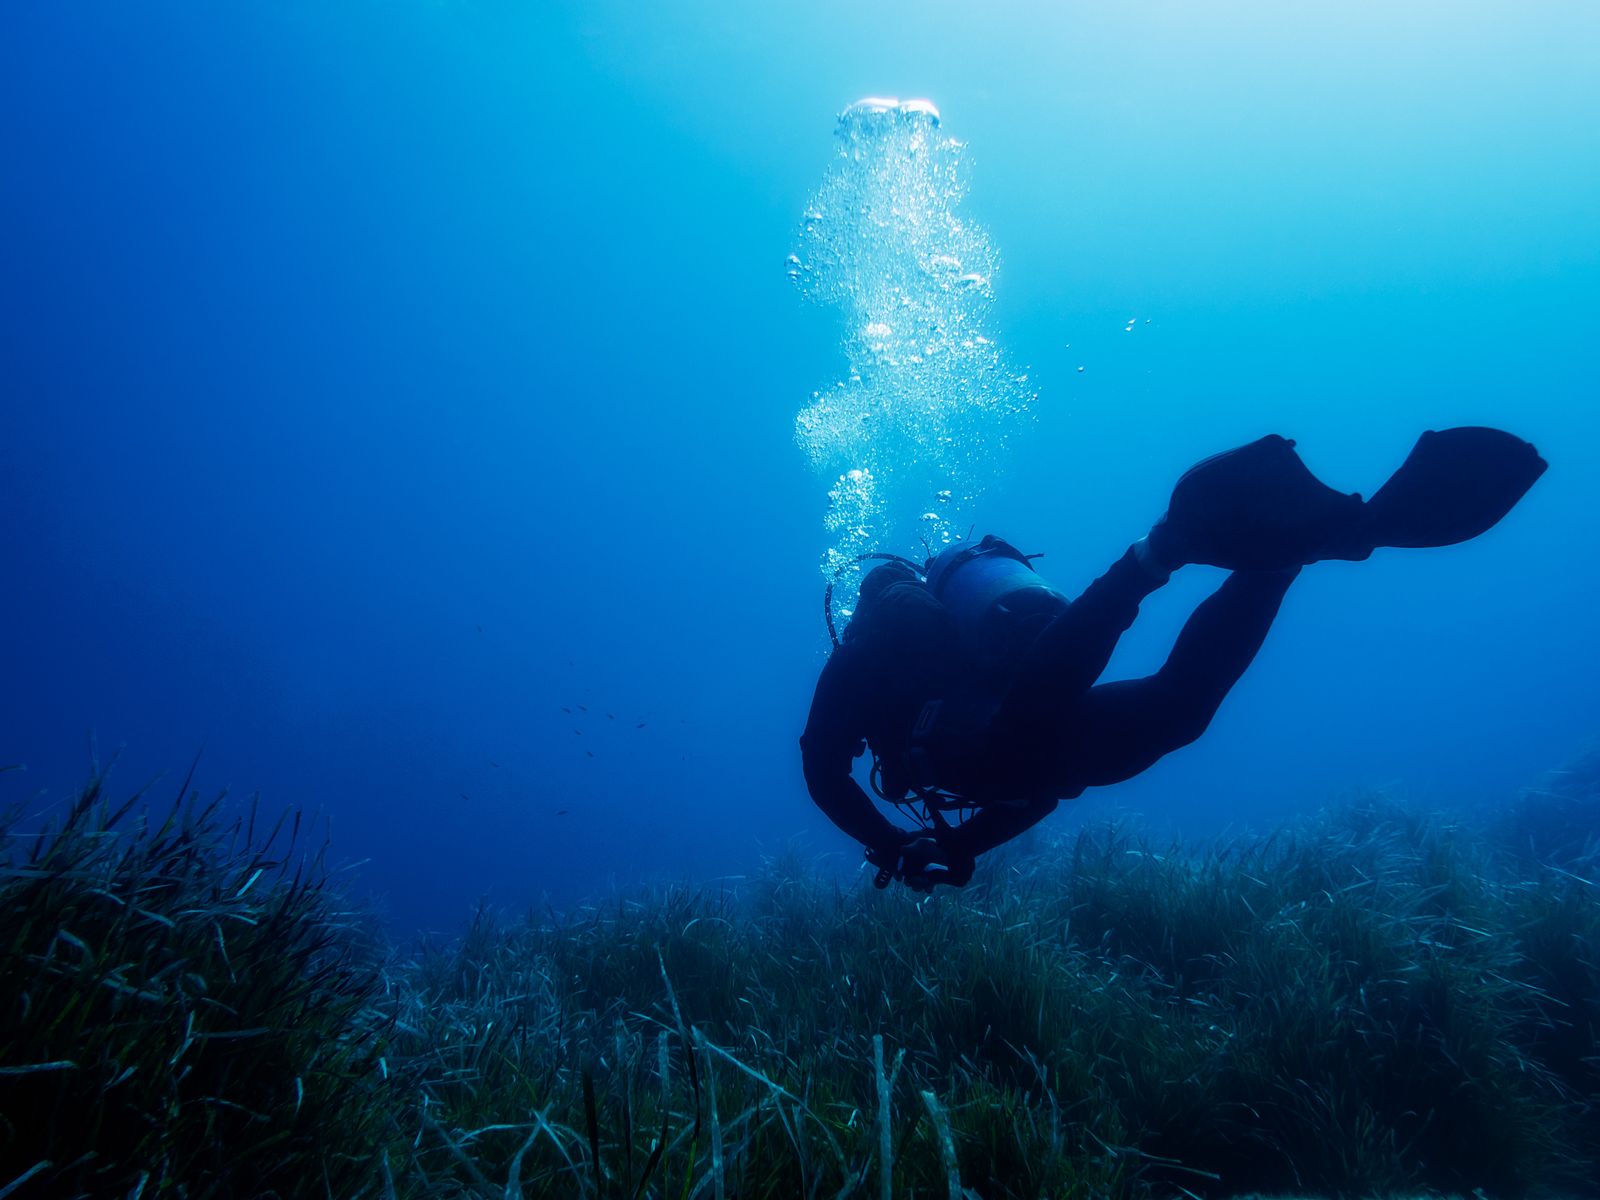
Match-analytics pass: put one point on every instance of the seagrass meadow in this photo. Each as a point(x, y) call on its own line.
point(1379, 1001)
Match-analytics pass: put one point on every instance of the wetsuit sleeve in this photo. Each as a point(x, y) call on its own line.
point(832, 739)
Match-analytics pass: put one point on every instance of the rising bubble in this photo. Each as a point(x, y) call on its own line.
point(928, 403)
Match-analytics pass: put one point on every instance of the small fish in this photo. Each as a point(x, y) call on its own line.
point(464, 796)
point(480, 628)
point(590, 753)
point(492, 763)
point(566, 710)
point(641, 724)
point(581, 708)
point(611, 716)
point(561, 812)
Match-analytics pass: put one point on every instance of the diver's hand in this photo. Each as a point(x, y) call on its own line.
point(887, 859)
point(920, 863)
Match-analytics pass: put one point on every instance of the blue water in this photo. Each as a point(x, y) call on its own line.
point(382, 380)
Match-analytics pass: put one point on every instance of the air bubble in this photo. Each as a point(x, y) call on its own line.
point(929, 403)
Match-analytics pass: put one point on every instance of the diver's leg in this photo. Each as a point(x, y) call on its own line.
point(1116, 730)
point(1070, 653)
point(1061, 666)
point(1050, 679)
point(1122, 728)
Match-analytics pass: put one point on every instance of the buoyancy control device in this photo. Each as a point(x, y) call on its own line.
point(998, 604)
point(998, 601)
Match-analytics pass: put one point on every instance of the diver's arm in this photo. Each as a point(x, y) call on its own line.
point(830, 743)
point(994, 824)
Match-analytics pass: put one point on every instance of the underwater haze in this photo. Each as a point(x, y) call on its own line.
point(427, 413)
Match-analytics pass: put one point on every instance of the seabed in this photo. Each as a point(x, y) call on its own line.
point(1379, 1001)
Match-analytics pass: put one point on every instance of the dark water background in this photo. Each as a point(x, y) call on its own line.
point(378, 380)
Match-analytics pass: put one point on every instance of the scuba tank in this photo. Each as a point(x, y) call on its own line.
point(999, 605)
point(999, 602)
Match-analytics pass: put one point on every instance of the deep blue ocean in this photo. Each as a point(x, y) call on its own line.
point(398, 400)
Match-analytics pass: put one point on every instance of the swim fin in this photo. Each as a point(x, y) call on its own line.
point(1258, 507)
point(1255, 508)
point(1454, 485)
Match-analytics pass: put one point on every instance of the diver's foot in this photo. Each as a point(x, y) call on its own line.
point(1256, 508)
point(1282, 548)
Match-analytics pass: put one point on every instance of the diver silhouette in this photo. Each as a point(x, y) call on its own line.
point(974, 683)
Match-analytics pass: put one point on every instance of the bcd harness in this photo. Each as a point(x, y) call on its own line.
point(997, 603)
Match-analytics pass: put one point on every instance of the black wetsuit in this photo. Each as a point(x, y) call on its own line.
point(896, 656)
point(1055, 732)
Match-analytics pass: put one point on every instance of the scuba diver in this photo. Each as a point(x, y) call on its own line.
point(974, 682)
